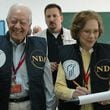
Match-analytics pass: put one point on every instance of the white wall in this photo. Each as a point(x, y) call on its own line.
point(38, 6)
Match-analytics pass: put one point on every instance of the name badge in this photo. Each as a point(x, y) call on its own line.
point(16, 88)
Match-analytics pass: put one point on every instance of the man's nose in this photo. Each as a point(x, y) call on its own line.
point(17, 25)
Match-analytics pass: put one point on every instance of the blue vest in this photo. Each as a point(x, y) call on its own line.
point(35, 62)
point(99, 67)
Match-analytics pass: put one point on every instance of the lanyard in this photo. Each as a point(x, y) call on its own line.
point(86, 76)
point(14, 70)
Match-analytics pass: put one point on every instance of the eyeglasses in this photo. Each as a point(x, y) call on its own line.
point(89, 32)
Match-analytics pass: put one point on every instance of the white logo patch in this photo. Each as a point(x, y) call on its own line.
point(71, 68)
point(2, 58)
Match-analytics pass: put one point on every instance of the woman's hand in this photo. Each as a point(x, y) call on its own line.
point(106, 102)
point(80, 91)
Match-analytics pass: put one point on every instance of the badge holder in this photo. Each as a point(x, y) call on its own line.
point(16, 88)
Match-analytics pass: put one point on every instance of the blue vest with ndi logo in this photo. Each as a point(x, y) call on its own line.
point(71, 60)
point(35, 62)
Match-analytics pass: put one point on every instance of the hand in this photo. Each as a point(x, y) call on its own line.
point(54, 66)
point(80, 91)
point(104, 102)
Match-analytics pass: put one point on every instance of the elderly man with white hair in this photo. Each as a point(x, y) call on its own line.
point(25, 76)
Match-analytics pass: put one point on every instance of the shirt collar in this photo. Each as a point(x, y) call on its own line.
point(15, 44)
point(90, 51)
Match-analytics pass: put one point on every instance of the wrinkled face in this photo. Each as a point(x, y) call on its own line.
point(18, 24)
point(53, 19)
point(89, 34)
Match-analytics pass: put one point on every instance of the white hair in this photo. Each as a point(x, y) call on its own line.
point(21, 7)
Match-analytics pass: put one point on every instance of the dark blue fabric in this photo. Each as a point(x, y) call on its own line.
point(101, 52)
point(35, 46)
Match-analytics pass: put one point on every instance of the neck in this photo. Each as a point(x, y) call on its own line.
point(18, 41)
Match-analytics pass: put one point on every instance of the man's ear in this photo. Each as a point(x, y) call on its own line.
point(7, 22)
